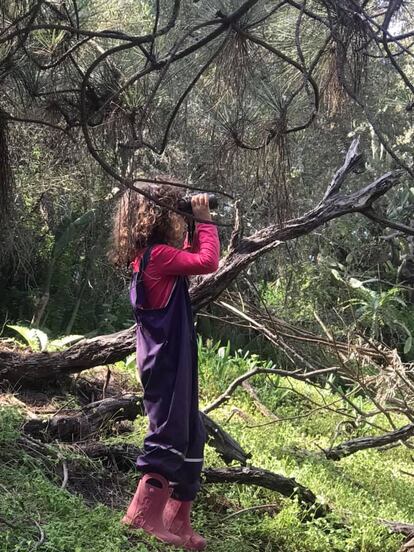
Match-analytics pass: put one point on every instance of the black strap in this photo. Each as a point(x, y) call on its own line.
point(190, 231)
point(144, 261)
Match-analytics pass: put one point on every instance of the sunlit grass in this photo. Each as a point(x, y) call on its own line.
point(360, 490)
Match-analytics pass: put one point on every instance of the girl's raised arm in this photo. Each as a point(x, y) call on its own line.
point(176, 262)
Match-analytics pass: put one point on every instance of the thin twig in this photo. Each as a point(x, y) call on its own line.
point(41, 536)
point(251, 509)
point(65, 474)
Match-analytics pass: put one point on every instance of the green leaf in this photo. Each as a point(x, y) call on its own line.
point(65, 341)
point(355, 283)
point(130, 362)
point(336, 275)
point(27, 335)
point(42, 338)
point(402, 325)
point(399, 301)
point(36, 339)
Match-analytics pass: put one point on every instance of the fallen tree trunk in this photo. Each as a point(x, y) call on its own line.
point(362, 443)
point(286, 486)
point(33, 368)
point(36, 369)
point(81, 424)
point(402, 528)
point(225, 445)
point(123, 458)
point(399, 527)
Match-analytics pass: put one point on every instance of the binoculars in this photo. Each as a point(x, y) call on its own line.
point(184, 204)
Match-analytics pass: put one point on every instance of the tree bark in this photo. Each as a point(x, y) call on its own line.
point(264, 478)
point(124, 456)
point(362, 443)
point(24, 368)
point(225, 445)
point(81, 424)
point(6, 175)
point(400, 527)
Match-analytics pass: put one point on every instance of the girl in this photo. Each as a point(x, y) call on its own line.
point(152, 237)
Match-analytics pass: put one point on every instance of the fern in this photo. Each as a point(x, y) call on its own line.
point(36, 339)
point(39, 340)
point(65, 341)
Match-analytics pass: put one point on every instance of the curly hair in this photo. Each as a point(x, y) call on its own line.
point(139, 222)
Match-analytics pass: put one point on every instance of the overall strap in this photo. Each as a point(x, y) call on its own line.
point(137, 291)
point(144, 261)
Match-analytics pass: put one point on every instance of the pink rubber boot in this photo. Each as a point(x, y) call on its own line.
point(177, 520)
point(146, 509)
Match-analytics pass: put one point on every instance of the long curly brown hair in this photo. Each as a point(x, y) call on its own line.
point(139, 222)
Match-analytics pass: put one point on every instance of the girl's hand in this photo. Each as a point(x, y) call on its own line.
point(200, 206)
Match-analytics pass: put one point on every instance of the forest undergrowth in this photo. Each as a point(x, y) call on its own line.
point(360, 491)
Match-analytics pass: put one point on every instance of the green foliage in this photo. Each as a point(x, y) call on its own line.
point(9, 427)
point(36, 339)
point(216, 363)
point(382, 314)
point(346, 303)
point(359, 490)
point(310, 289)
point(378, 309)
point(71, 230)
point(219, 366)
point(39, 340)
point(48, 40)
point(129, 364)
point(30, 500)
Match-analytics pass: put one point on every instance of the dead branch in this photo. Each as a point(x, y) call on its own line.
point(399, 527)
point(362, 443)
point(259, 405)
point(224, 443)
point(24, 368)
point(78, 425)
point(295, 374)
point(286, 486)
point(352, 160)
point(274, 329)
point(82, 424)
point(123, 457)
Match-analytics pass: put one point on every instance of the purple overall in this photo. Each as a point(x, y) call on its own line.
point(168, 369)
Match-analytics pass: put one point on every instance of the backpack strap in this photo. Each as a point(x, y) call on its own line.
point(144, 261)
point(136, 290)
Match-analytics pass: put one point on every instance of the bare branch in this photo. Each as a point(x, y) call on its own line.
point(352, 160)
point(370, 213)
point(362, 443)
point(34, 367)
point(256, 476)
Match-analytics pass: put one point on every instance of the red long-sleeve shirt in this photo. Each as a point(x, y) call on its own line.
point(166, 263)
